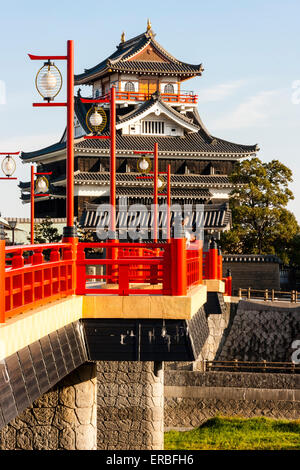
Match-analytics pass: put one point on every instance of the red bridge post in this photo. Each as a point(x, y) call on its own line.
point(70, 254)
point(213, 260)
point(229, 283)
point(178, 266)
point(2, 275)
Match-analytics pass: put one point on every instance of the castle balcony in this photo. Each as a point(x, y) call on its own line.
point(184, 97)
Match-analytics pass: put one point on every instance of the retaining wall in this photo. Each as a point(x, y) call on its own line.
point(193, 397)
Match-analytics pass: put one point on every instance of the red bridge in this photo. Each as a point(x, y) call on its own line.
point(32, 275)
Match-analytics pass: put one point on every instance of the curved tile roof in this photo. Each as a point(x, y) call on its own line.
point(123, 60)
point(216, 217)
point(176, 180)
point(155, 98)
point(199, 144)
point(191, 145)
point(44, 151)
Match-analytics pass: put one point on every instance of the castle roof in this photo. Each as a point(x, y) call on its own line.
point(131, 180)
point(140, 55)
point(216, 217)
point(197, 144)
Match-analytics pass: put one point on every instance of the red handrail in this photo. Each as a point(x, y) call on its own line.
point(55, 270)
point(37, 279)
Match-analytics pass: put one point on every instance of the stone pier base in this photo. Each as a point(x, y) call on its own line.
point(63, 418)
point(130, 401)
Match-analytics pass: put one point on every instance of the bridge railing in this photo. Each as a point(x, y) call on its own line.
point(269, 295)
point(32, 275)
point(124, 267)
point(236, 365)
point(139, 268)
point(213, 269)
point(35, 275)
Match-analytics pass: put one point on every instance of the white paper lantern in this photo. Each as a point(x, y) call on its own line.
point(41, 185)
point(8, 166)
point(144, 165)
point(96, 119)
point(48, 81)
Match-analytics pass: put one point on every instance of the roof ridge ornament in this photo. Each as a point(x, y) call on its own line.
point(123, 37)
point(156, 95)
point(149, 31)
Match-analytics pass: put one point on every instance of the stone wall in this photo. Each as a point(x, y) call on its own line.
point(193, 397)
point(262, 331)
point(114, 405)
point(130, 406)
point(219, 326)
point(255, 271)
point(63, 418)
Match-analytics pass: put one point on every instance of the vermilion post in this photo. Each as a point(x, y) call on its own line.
point(229, 282)
point(220, 264)
point(2, 275)
point(155, 198)
point(113, 158)
point(113, 268)
point(213, 260)
point(70, 133)
point(169, 203)
point(32, 206)
point(179, 266)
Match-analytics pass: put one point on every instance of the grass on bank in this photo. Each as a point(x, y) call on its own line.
point(222, 433)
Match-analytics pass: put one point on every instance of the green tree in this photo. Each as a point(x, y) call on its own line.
point(261, 222)
point(85, 235)
point(45, 232)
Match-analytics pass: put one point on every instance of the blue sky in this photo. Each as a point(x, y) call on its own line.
point(249, 50)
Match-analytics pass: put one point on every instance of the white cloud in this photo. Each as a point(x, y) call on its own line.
point(219, 92)
point(255, 111)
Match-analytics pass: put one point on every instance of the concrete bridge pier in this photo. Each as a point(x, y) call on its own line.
point(100, 405)
point(130, 406)
point(64, 418)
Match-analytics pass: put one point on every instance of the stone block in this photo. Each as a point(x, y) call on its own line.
point(85, 437)
point(67, 439)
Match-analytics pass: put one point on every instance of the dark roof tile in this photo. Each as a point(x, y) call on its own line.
point(119, 61)
point(193, 143)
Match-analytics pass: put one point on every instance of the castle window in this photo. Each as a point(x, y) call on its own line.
point(97, 93)
point(169, 88)
point(153, 127)
point(129, 86)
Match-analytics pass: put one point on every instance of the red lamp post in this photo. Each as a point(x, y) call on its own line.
point(48, 83)
point(33, 194)
point(111, 99)
point(154, 175)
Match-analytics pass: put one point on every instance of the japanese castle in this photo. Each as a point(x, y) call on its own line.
point(151, 106)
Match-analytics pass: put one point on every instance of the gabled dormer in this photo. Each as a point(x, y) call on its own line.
point(140, 67)
point(155, 117)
